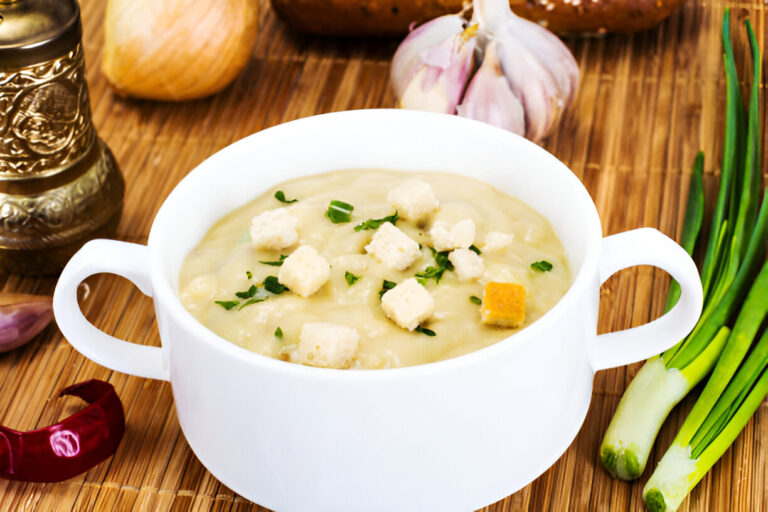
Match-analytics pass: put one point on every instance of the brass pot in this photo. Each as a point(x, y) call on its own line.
point(59, 183)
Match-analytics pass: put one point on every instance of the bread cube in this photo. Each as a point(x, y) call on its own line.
point(393, 247)
point(408, 304)
point(503, 304)
point(304, 271)
point(326, 345)
point(274, 229)
point(414, 200)
point(466, 263)
point(446, 237)
point(496, 241)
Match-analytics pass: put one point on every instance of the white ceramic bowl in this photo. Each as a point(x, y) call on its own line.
point(452, 435)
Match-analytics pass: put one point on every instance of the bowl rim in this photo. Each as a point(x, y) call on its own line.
point(168, 298)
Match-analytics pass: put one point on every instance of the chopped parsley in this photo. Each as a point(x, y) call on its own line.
point(386, 286)
point(249, 274)
point(350, 277)
point(339, 212)
point(279, 332)
point(541, 266)
point(442, 264)
point(375, 223)
point(275, 263)
point(273, 285)
point(255, 293)
point(280, 196)
point(474, 299)
point(424, 330)
point(475, 249)
point(227, 304)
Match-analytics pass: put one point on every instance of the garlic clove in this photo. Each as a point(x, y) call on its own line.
point(22, 317)
point(489, 97)
point(176, 49)
point(431, 66)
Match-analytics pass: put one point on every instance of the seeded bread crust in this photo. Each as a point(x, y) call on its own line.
point(393, 17)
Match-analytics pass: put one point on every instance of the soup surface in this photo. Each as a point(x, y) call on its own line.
point(225, 281)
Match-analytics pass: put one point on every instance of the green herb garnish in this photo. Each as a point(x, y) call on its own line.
point(474, 299)
point(424, 330)
point(280, 196)
point(275, 263)
point(273, 285)
point(375, 223)
point(227, 304)
point(475, 249)
point(258, 298)
point(250, 292)
point(541, 266)
point(442, 264)
point(279, 332)
point(339, 212)
point(386, 286)
point(249, 274)
point(350, 277)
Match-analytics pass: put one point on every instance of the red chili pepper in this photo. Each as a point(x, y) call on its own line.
point(70, 447)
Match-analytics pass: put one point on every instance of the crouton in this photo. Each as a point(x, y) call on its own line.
point(446, 237)
point(304, 271)
point(274, 229)
point(408, 304)
point(466, 263)
point(326, 345)
point(414, 200)
point(503, 304)
point(496, 240)
point(393, 247)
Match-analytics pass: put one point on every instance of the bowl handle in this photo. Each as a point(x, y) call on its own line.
point(130, 261)
point(647, 246)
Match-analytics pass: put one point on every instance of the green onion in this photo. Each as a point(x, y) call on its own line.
point(276, 263)
point(424, 330)
point(273, 285)
point(280, 196)
point(475, 249)
point(350, 277)
point(227, 304)
point(339, 212)
point(375, 223)
point(734, 255)
point(279, 332)
point(474, 299)
point(541, 266)
point(249, 274)
point(386, 286)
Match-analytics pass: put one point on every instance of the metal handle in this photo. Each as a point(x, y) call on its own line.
point(647, 246)
point(130, 261)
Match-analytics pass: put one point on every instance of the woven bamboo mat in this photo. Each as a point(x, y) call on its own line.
point(647, 104)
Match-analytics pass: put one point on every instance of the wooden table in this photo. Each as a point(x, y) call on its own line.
point(648, 102)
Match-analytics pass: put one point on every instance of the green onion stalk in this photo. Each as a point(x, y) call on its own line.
point(733, 257)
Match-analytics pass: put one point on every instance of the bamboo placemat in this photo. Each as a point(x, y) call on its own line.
point(648, 102)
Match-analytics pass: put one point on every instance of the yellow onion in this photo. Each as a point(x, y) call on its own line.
point(177, 49)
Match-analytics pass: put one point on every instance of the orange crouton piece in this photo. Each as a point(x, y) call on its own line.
point(503, 304)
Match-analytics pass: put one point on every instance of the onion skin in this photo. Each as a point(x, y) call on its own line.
point(177, 49)
point(22, 317)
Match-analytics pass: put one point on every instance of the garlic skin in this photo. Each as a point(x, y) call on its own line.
point(430, 68)
point(176, 49)
point(525, 80)
point(490, 99)
point(22, 317)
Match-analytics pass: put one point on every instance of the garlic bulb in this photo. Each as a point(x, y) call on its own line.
point(522, 81)
point(176, 49)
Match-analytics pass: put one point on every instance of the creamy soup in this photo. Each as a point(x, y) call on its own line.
point(238, 282)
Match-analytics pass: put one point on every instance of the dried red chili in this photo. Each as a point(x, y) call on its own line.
point(70, 447)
